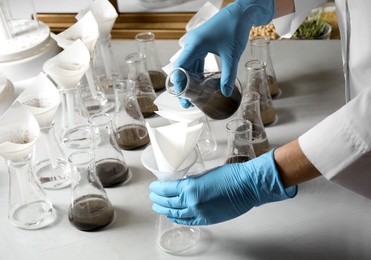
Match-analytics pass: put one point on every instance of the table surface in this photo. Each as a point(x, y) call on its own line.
point(324, 221)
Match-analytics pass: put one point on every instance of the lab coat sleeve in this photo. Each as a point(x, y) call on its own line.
point(340, 146)
point(287, 25)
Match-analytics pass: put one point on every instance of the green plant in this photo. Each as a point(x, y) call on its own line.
point(312, 27)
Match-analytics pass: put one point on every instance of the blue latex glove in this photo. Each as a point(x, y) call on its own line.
point(226, 35)
point(220, 194)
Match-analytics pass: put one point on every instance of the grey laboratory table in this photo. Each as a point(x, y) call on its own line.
point(324, 221)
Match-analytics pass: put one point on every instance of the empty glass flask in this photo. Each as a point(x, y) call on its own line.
point(106, 67)
point(260, 50)
point(250, 110)
point(240, 148)
point(129, 126)
point(111, 167)
point(146, 45)
point(90, 208)
point(145, 92)
point(256, 80)
point(203, 90)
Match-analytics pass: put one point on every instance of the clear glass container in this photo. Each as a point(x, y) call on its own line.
point(145, 92)
point(206, 142)
point(250, 110)
point(260, 50)
point(106, 67)
point(256, 80)
point(50, 161)
point(29, 207)
point(111, 167)
point(146, 45)
point(92, 93)
point(169, 236)
point(203, 90)
point(240, 148)
point(90, 207)
point(75, 130)
point(129, 125)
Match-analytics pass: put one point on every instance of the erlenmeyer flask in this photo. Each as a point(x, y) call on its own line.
point(256, 80)
point(105, 66)
point(206, 143)
point(145, 93)
point(90, 208)
point(129, 125)
point(172, 237)
point(250, 110)
point(146, 45)
point(111, 167)
point(92, 93)
point(203, 90)
point(260, 50)
point(240, 148)
point(28, 207)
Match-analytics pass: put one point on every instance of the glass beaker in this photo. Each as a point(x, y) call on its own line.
point(256, 80)
point(240, 148)
point(203, 90)
point(146, 45)
point(172, 237)
point(145, 92)
point(90, 208)
point(129, 125)
point(260, 50)
point(250, 110)
point(111, 167)
point(105, 66)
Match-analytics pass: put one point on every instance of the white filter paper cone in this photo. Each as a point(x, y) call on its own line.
point(42, 99)
point(173, 143)
point(19, 131)
point(68, 67)
point(105, 15)
point(85, 29)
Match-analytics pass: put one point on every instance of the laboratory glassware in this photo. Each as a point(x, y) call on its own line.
point(111, 167)
point(240, 148)
point(250, 110)
point(129, 126)
point(90, 208)
point(146, 45)
point(256, 80)
point(203, 90)
point(145, 92)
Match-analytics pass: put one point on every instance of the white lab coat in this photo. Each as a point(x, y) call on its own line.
point(344, 156)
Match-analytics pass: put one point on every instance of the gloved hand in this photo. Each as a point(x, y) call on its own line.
point(220, 194)
point(226, 35)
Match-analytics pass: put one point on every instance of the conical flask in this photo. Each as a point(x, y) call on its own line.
point(260, 50)
point(129, 125)
point(146, 45)
point(240, 148)
point(203, 90)
point(111, 167)
point(256, 80)
point(145, 93)
point(250, 110)
point(67, 69)
point(172, 237)
point(50, 163)
point(29, 207)
point(92, 93)
point(106, 67)
point(90, 207)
